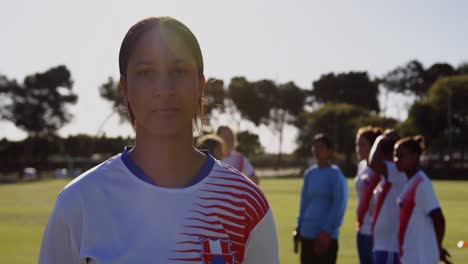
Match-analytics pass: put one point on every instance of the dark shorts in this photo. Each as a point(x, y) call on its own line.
point(308, 255)
point(364, 244)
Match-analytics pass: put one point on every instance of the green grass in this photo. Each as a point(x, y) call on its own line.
point(24, 209)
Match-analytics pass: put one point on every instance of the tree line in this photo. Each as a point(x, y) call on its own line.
point(336, 104)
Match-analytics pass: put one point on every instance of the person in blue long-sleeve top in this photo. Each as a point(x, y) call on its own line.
point(323, 203)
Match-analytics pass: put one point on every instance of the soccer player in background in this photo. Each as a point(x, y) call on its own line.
point(213, 144)
point(365, 182)
point(385, 213)
point(162, 200)
point(323, 202)
point(234, 158)
point(422, 223)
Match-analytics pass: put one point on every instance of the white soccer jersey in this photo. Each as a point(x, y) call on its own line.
point(416, 232)
point(108, 215)
point(365, 182)
point(386, 215)
point(239, 162)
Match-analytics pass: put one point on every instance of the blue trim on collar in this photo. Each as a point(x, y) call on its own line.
point(204, 170)
point(140, 174)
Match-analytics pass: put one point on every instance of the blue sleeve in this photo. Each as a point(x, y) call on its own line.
point(338, 206)
point(302, 202)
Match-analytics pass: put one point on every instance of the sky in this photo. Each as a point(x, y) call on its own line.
point(284, 41)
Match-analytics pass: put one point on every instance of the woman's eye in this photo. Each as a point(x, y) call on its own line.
point(178, 72)
point(145, 72)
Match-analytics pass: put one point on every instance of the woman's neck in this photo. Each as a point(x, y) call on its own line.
point(169, 161)
point(323, 163)
point(411, 172)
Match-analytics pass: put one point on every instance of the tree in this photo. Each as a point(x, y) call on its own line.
point(442, 117)
point(264, 102)
point(248, 99)
point(249, 144)
point(110, 91)
point(38, 106)
point(340, 122)
point(463, 68)
point(354, 88)
point(214, 96)
point(412, 78)
point(5, 84)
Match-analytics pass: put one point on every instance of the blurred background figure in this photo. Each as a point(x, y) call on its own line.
point(365, 182)
point(421, 227)
point(213, 144)
point(386, 212)
point(323, 202)
point(234, 158)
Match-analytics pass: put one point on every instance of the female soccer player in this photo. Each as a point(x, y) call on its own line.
point(234, 158)
point(323, 203)
point(365, 182)
point(385, 212)
point(161, 201)
point(422, 223)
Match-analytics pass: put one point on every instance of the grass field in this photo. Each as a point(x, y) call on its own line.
point(24, 209)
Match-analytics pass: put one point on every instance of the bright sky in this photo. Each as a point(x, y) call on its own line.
point(280, 40)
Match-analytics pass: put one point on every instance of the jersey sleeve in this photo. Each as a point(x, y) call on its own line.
point(262, 245)
point(56, 247)
point(248, 169)
point(338, 204)
point(426, 197)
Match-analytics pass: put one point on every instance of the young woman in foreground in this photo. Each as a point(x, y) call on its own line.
point(161, 201)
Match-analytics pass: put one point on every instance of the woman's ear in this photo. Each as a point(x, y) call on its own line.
point(202, 84)
point(123, 87)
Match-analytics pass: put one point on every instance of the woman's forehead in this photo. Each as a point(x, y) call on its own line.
point(159, 43)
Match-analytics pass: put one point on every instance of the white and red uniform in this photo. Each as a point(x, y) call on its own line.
point(386, 214)
point(240, 163)
point(365, 182)
point(417, 238)
point(108, 215)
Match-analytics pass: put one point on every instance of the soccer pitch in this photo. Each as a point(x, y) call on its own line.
point(25, 207)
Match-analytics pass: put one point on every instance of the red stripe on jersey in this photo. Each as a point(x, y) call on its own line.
point(224, 217)
point(224, 208)
point(407, 204)
point(229, 227)
point(363, 205)
point(220, 230)
point(242, 179)
point(188, 251)
point(250, 210)
point(257, 202)
point(225, 247)
point(199, 235)
point(252, 186)
point(237, 204)
point(187, 259)
point(188, 242)
point(206, 246)
point(380, 200)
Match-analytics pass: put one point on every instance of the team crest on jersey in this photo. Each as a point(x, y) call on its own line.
point(217, 251)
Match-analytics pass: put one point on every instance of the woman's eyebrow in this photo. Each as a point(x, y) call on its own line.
point(143, 62)
point(180, 61)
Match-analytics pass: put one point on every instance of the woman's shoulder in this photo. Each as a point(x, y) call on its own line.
point(90, 178)
point(225, 180)
point(228, 176)
point(222, 170)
